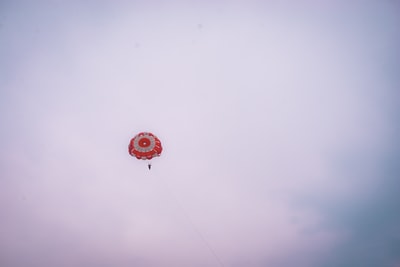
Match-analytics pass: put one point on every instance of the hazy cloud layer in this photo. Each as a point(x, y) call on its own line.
point(279, 124)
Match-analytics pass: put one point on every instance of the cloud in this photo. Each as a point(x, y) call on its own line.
point(278, 125)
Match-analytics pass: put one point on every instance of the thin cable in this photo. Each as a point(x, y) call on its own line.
point(198, 232)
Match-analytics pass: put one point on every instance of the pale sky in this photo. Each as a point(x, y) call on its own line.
point(279, 123)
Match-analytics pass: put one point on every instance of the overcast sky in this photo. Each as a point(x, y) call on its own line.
point(279, 122)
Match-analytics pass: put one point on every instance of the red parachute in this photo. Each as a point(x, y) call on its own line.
point(145, 146)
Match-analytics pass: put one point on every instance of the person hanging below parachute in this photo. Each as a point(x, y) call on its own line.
point(145, 146)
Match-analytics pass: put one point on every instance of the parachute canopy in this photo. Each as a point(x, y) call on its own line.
point(144, 146)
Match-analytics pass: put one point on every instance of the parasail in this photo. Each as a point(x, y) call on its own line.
point(145, 146)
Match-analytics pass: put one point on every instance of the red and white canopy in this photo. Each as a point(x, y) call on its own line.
point(145, 146)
